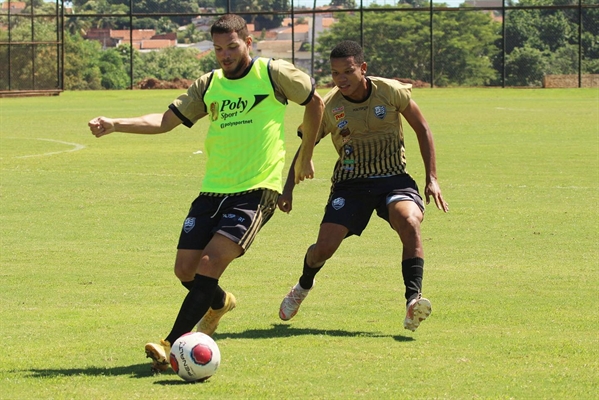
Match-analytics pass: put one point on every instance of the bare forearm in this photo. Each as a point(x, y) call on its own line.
point(290, 182)
point(147, 124)
point(311, 125)
point(427, 150)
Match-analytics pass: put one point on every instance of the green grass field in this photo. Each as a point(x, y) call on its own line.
point(89, 228)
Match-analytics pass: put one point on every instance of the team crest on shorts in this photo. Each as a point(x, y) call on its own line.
point(189, 224)
point(338, 203)
point(380, 111)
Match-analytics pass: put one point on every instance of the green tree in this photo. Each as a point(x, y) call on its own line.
point(464, 45)
point(464, 48)
point(77, 25)
point(190, 35)
point(168, 6)
point(32, 66)
point(261, 21)
point(166, 25)
point(208, 62)
point(553, 34)
point(114, 67)
point(524, 67)
point(168, 64)
point(343, 3)
point(105, 7)
point(415, 3)
point(81, 69)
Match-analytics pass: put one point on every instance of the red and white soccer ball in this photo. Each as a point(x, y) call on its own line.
point(195, 356)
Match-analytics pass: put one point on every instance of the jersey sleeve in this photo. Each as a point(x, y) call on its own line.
point(319, 135)
point(190, 106)
point(403, 94)
point(291, 82)
point(328, 123)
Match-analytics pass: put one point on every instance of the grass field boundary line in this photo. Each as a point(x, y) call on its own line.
point(76, 147)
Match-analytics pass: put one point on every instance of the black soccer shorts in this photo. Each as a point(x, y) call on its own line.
point(238, 217)
point(352, 202)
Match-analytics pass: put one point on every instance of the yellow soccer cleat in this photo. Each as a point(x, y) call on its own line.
point(159, 353)
point(210, 320)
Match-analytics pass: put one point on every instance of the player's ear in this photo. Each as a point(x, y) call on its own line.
point(364, 68)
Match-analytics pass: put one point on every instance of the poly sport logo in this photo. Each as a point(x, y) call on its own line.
point(338, 203)
point(232, 108)
point(189, 224)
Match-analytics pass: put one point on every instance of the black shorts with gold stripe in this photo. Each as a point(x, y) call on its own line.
point(353, 201)
point(237, 216)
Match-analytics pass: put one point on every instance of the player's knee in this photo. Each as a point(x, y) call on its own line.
point(186, 264)
point(185, 272)
point(409, 226)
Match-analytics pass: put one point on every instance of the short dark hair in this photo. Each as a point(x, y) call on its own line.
point(229, 23)
point(348, 48)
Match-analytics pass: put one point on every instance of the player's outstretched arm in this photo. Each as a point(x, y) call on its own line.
point(147, 124)
point(414, 116)
point(303, 166)
point(285, 201)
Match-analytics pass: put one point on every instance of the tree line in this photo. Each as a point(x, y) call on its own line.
point(469, 48)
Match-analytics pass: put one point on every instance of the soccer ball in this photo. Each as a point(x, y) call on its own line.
point(195, 357)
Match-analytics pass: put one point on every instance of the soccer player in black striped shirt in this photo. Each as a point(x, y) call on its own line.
point(363, 115)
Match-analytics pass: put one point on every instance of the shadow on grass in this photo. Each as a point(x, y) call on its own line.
point(137, 371)
point(282, 330)
point(177, 381)
point(144, 371)
point(134, 371)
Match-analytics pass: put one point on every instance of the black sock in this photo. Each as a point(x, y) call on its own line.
point(194, 306)
point(218, 301)
point(412, 270)
point(307, 279)
point(219, 295)
point(188, 285)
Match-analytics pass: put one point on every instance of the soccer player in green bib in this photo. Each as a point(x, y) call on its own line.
point(245, 101)
point(363, 114)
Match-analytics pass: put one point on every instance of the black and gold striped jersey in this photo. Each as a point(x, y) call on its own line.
point(368, 135)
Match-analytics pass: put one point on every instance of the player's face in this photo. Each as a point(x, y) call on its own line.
point(232, 53)
point(350, 77)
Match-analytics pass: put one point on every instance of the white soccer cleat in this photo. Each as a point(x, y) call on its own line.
point(291, 303)
point(417, 310)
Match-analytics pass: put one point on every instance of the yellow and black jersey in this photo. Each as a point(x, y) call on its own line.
point(368, 135)
point(288, 83)
point(245, 144)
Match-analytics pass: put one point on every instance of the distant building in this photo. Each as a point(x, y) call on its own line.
point(143, 39)
point(276, 43)
point(484, 3)
point(281, 49)
point(303, 32)
point(495, 14)
point(15, 7)
point(281, 46)
point(204, 45)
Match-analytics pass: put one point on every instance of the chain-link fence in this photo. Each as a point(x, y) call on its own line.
point(52, 46)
